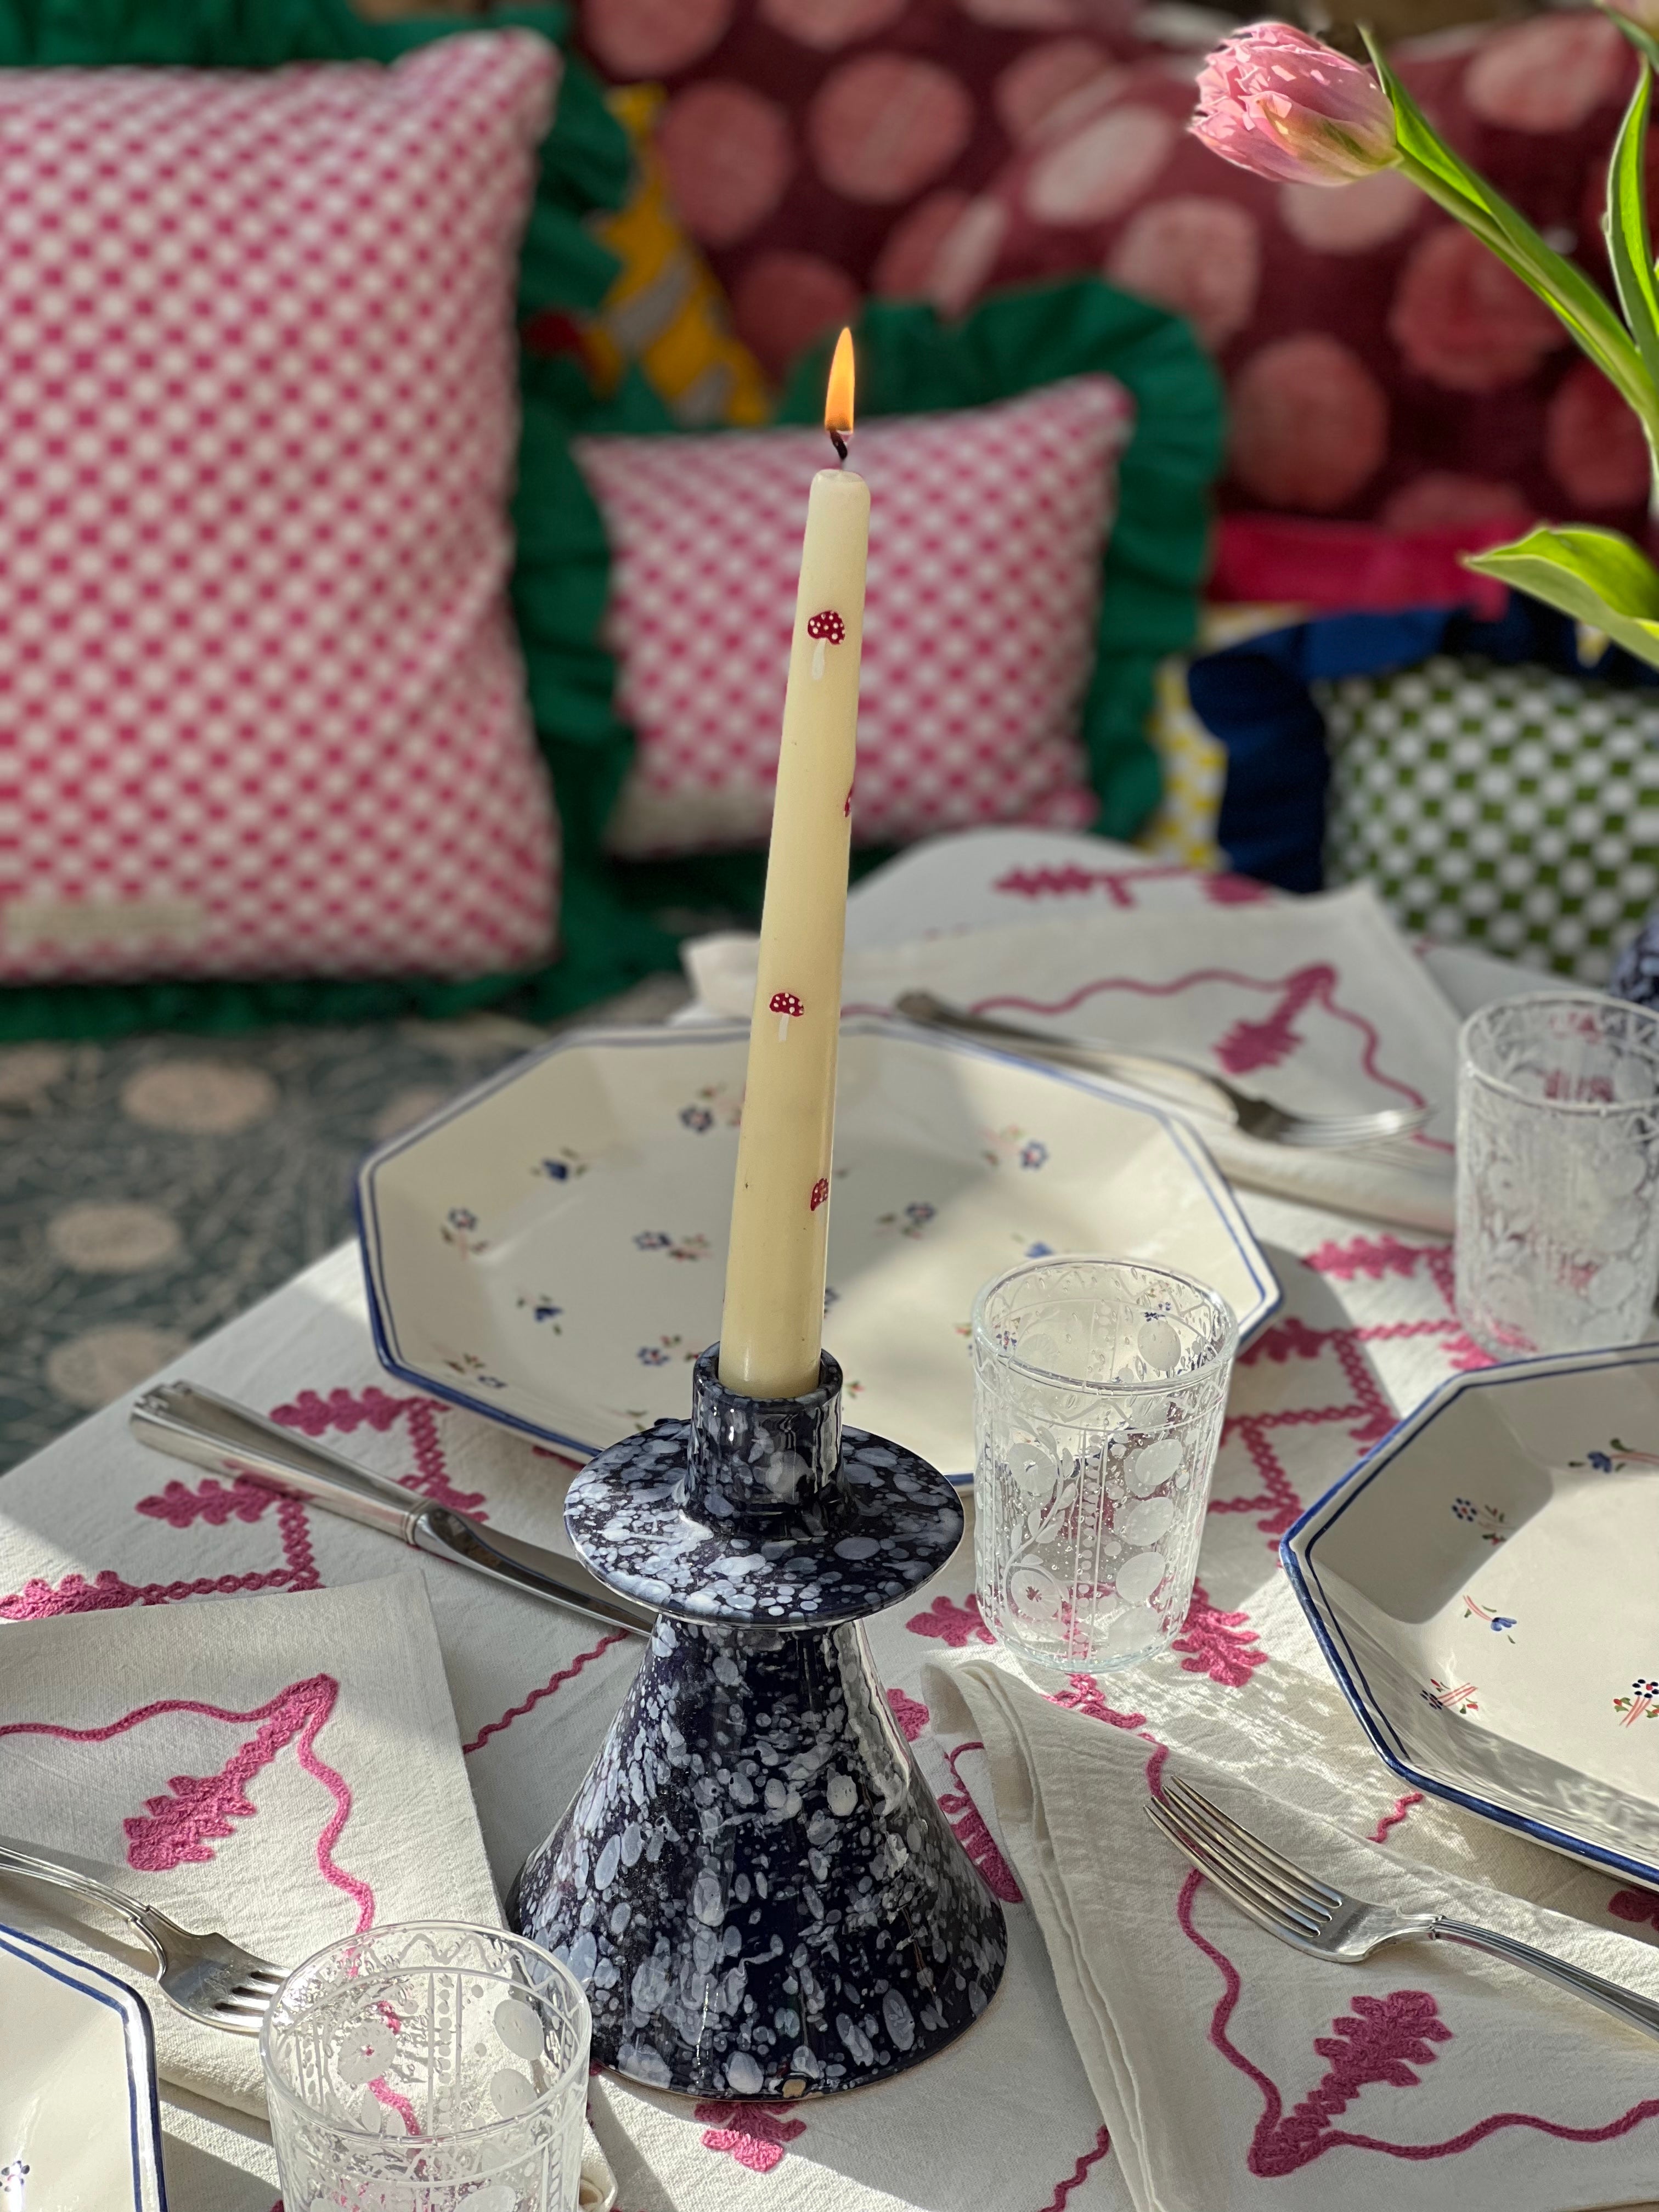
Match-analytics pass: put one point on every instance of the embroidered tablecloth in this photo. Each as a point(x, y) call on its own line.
point(1004, 2121)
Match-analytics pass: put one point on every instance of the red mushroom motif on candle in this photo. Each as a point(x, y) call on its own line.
point(846, 803)
point(825, 627)
point(820, 1192)
point(787, 1008)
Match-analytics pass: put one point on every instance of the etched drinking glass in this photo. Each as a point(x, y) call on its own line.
point(1558, 1173)
point(429, 2068)
point(1098, 1395)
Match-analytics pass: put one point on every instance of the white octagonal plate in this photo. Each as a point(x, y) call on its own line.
point(550, 1248)
point(1486, 1587)
point(80, 2126)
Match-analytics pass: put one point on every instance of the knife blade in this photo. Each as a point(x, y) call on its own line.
point(217, 1434)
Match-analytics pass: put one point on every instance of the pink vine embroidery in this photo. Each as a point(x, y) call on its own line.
point(1079, 2172)
point(1249, 1046)
point(756, 2135)
point(953, 1623)
point(376, 1409)
point(1639, 1906)
point(1222, 1645)
point(1401, 1810)
point(1378, 2039)
point(177, 1827)
point(967, 1824)
point(909, 1712)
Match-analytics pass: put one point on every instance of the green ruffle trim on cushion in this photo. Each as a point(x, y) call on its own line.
point(585, 164)
point(622, 922)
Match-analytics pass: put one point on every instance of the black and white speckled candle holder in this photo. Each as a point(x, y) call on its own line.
point(755, 1885)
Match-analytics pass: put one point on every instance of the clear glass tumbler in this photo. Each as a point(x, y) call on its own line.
point(1099, 1390)
point(429, 2068)
point(1558, 1173)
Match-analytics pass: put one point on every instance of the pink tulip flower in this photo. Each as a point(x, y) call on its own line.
point(1273, 100)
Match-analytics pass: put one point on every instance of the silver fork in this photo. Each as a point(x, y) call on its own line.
point(209, 1978)
point(1255, 1115)
point(1328, 1923)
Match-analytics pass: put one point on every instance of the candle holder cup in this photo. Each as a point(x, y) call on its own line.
point(754, 1884)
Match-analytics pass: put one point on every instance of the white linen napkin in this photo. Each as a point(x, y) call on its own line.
point(1317, 1003)
point(283, 1769)
point(1222, 2060)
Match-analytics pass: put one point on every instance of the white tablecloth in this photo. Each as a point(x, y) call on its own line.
point(1005, 2121)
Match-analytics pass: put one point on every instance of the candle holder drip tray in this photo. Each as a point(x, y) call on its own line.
point(754, 1884)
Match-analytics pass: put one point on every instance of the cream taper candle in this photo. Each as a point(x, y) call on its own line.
point(772, 1328)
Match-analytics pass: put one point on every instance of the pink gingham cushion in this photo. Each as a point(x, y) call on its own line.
point(987, 528)
point(261, 707)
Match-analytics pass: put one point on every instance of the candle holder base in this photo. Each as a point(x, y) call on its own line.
point(754, 1884)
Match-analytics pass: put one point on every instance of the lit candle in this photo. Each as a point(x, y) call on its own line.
point(772, 1327)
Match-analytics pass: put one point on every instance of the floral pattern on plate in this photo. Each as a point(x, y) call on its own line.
point(1486, 1521)
point(1617, 1457)
point(1483, 1550)
point(1444, 1699)
point(1642, 1703)
point(920, 1217)
point(459, 1228)
point(695, 1247)
point(1012, 1145)
point(1501, 1623)
point(562, 1166)
point(715, 1106)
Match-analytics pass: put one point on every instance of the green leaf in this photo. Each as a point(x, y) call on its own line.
point(1643, 41)
point(1587, 312)
point(1595, 575)
point(1630, 247)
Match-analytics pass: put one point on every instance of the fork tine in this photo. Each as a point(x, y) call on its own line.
point(1347, 1135)
point(1239, 1879)
point(1293, 1897)
point(1390, 1122)
point(1274, 1919)
point(241, 2004)
point(1227, 1831)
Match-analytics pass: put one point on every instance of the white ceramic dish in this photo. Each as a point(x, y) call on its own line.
point(1486, 1587)
point(550, 1250)
point(80, 2131)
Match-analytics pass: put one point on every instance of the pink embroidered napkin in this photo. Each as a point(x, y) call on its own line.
point(285, 1770)
point(1234, 2073)
point(1318, 1003)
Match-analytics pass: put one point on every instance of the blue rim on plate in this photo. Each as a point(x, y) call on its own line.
point(1269, 1296)
point(143, 2104)
point(1297, 1553)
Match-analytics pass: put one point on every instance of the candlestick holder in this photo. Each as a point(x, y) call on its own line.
point(754, 1884)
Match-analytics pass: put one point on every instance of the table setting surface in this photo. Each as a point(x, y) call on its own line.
point(1147, 2047)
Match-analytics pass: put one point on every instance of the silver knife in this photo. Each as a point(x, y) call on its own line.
point(225, 1438)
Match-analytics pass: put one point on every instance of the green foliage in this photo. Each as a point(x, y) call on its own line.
point(1586, 312)
point(1595, 575)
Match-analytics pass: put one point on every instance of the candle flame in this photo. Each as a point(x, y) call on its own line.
point(838, 399)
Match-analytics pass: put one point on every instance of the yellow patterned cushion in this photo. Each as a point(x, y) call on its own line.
point(1194, 763)
point(665, 311)
point(1194, 770)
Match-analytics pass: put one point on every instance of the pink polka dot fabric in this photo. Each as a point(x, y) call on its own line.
point(987, 529)
point(817, 148)
point(1381, 365)
point(262, 711)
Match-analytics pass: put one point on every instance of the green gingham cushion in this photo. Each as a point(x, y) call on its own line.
point(1510, 808)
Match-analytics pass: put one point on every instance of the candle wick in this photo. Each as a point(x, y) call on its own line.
point(840, 444)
